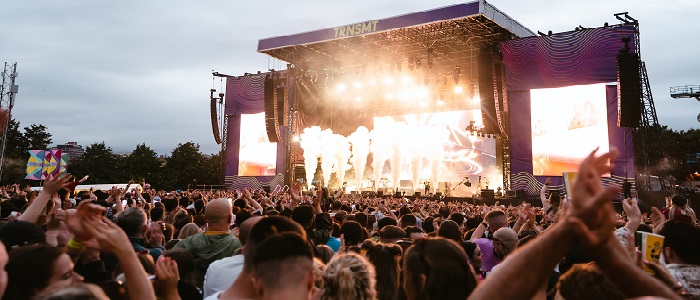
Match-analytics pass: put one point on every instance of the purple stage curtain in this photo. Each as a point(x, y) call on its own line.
point(564, 59)
point(245, 94)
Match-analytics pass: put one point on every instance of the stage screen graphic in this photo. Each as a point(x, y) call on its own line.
point(459, 153)
point(567, 124)
point(257, 156)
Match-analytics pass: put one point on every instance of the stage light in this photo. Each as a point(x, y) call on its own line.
point(390, 96)
point(405, 95)
point(373, 83)
point(440, 102)
point(358, 98)
point(476, 99)
point(389, 81)
point(357, 85)
point(295, 138)
point(423, 104)
point(458, 90)
point(423, 92)
point(406, 79)
point(341, 87)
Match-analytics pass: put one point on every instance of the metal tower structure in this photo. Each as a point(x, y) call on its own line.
point(7, 101)
point(649, 130)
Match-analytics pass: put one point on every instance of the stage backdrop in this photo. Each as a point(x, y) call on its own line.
point(575, 61)
point(245, 100)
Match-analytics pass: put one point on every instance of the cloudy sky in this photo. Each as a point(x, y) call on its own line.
point(131, 72)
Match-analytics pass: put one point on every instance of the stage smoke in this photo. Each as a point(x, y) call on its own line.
point(436, 140)
point(380, 153)
point(342, 156)
point(398, 140)
point(310, 141)
point(328, 151)
point(360, 151)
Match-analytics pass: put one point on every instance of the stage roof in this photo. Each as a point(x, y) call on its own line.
point(444, 36)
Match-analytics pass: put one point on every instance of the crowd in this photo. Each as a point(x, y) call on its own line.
point(144, 244)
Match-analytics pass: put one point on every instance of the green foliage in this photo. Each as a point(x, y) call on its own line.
point(17, 145)
point(37, 137)
point(99, 162)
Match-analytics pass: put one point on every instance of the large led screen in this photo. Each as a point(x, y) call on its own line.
point(443, 150)
point(257, 156)
point(567, 124)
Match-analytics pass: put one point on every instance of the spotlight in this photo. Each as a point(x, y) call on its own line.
point(357, 85)
point(405, 95)
point(389, 81)
point(440, 102)
point(358, 98)
point(476, 99)
point(423, 92)
point(389, 96)
point(458, 90)
point(373, 83)
point(341, 87)
point(406, 79)
point(295, 138)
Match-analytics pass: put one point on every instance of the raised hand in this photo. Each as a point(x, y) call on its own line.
point(167, 276)
point(77, 221)
point(658, 219)
point(591, 202)
point(109, 236)
point(53, 184)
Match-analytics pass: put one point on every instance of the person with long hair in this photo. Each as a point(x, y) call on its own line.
point(437, 269)
point(347, 277)
point(35, 269)
point(475, 259)
point(679, 210)
point(386, 261)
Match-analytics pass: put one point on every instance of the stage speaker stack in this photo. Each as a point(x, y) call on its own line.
point(416, 194)
point(486, 92)
point(629, 90)
point(270, 124)
point(280, 105)
point(488, 194)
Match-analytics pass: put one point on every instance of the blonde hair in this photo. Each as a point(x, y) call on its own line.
point(188, 230)
point(349, 276)
point(79, 291)
point(319, 268)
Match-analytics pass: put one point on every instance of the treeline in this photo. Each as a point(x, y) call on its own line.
point(184, 167)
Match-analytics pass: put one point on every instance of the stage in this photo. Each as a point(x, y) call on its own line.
point(427, 99)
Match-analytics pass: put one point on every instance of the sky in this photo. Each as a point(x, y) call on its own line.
point(133, 72)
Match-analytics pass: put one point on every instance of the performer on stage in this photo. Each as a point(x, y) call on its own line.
point(549, 206)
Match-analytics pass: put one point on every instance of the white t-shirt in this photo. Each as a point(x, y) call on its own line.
point(221, 274)
point(214, 296)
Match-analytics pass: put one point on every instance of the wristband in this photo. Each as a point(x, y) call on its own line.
point(75, 245)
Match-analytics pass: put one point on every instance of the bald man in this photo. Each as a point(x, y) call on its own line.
point(215, 243)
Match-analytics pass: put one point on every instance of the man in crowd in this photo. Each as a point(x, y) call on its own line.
point(133, 221)
point(215, 243)
point(283, 265)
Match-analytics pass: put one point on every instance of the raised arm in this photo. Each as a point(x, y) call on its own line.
point(51, 186)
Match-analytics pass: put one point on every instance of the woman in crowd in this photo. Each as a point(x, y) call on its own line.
point(386, 261)
point(348, 276)
point(475, 259)
point(437, 269)
point(679, 210)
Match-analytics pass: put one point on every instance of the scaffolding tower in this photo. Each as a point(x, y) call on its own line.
point(7, 101)
point(652, 153)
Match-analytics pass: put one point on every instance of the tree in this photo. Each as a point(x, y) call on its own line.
point(183, 166)
point(142, 163)
point(16, 146)
point(99, 162)
point(211, 170)
point(37, 137)
point(13, 171)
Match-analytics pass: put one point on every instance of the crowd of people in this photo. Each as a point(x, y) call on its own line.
point(249, 244)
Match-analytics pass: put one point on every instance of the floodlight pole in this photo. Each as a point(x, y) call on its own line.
point(7, 101)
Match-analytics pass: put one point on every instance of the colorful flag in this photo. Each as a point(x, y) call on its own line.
point(35, 164)
point(64, 164)
point(51, 163)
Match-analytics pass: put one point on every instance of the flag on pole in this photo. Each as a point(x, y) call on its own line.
point(35, 164)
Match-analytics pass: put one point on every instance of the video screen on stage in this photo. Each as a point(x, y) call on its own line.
point(567, 124)
point(437, 148)
point(257, 156)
